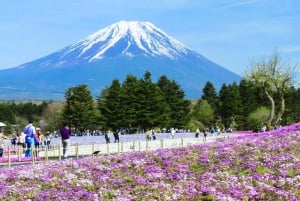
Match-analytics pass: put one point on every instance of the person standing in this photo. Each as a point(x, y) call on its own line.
point(204, 135)
point(148, 135)
point(37, 141)
point(2, 137)
point(29, 131)
point(173, 131)
point(22, 139)
point(197, 133)
point(65, 133)
point(153, 134)
point(47, 141)
point(107, 138)
point(14, 140)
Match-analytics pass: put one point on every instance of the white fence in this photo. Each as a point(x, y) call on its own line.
point(76, 150)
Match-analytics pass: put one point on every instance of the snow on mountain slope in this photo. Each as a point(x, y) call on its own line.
point(122, 39)
point(142, 35)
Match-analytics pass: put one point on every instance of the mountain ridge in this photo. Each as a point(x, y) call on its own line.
point(125, 47)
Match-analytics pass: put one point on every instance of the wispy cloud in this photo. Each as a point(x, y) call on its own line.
point(237, 3)
point(291, 49)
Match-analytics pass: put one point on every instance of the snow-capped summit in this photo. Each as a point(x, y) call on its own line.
point(122, 48)
point(133, 38)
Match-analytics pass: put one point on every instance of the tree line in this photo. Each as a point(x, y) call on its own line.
point(265, 96)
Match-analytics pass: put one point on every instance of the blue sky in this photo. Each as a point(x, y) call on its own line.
point(228, 32)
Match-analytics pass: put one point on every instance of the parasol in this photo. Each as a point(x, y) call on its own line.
point(2, 124)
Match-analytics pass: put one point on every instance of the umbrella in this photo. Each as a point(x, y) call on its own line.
point(2, 124)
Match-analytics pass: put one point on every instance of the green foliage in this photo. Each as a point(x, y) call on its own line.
point(292, 113)
point(174, 97)
point(80, 110)
point(15, 115)
point(231, 102)
point(210, 94)
point(154, 111)
point(7, 114)
point(204, 113)
point(197, 168)
point(112, 106)
point(258, 118)
point(142, 104)
point(275, 78)
point(52, 115)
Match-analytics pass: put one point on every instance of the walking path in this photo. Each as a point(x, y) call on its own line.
point(87, 145)
point(95, 145)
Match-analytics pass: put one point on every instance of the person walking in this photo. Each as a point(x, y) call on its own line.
point(29, 131)
point(65, 133)
point(116, 136)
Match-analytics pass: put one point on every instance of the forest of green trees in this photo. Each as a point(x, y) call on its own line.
point(265, 96)
point(142, 104)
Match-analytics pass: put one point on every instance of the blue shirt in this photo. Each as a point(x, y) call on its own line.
point(29, 130)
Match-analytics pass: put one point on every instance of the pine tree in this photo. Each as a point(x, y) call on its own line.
point(231, 103)
point(80, 111)
point(111, 106)
point(153, 111)
point(174, 96)
point(210, 94)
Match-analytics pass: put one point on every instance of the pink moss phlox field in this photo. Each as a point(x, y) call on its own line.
point(17, 159)
point(259, 166)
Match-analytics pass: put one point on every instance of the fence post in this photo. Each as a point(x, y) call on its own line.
point(118, 147)
point(182, 142)
point(53, 149)
point(46, 153)
point(76, 150)
point(147, 145)
point(59, 152)
point(107, 148)
point(9, 162)
point(161, 143)
point(32, 153)
point(93, 148)
point(139, 146)
point(133, 146)
point(121, 147)
point(19, 153)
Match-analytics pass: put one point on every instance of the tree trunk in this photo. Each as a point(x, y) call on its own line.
point(272, 112)
point(280, 113)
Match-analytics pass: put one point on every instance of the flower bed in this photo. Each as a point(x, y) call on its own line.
point(17, 159)
point(263, 166)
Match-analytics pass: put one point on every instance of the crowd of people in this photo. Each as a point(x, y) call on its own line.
point(33, 137)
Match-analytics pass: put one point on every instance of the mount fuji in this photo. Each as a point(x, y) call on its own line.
point(125, 47)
